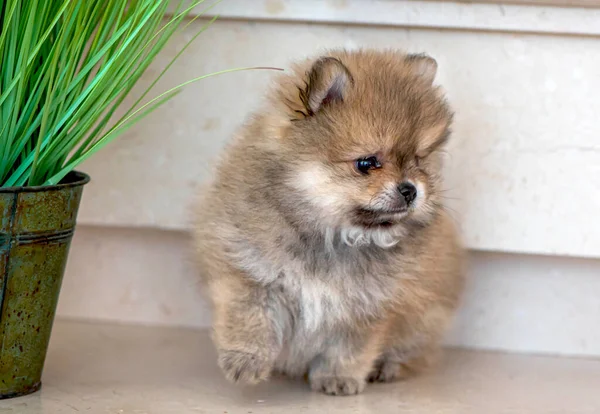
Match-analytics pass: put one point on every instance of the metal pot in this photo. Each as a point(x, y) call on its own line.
point(36, 228)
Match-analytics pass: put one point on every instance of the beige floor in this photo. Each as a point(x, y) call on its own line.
point(133, 370)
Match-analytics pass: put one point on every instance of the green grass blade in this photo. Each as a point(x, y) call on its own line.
point(66, 66)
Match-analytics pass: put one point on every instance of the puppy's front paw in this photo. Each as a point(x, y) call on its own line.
point(244, 367)
point(337, 386)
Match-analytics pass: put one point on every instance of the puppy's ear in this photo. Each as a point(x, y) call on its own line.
point(328, 82)
point(433, 138)
point(423, 66)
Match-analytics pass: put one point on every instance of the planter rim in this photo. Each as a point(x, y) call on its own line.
point(72, 179)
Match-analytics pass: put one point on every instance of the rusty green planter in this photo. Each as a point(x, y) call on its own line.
point(36, 228)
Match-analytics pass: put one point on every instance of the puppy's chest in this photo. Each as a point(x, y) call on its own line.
point(322, 300)
point(316, 289)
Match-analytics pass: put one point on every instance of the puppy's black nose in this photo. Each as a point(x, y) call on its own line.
point(408, 191)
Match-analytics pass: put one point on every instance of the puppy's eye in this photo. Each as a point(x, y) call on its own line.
point(364, 165)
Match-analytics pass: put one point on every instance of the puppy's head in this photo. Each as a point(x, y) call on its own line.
point(363, 142)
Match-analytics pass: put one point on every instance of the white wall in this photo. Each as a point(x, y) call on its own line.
point(523, 170)
point(525, 159)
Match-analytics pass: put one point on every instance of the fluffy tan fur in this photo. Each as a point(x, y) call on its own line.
point(316, 267)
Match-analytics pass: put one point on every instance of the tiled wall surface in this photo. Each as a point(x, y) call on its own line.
point(514, 302)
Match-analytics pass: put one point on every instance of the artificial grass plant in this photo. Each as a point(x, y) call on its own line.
point(65, 67)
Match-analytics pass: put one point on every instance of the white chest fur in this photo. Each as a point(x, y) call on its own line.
point(319, 303)
point(319, 299)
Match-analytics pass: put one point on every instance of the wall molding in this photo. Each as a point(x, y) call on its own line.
point(529, 16)
point(554, 3)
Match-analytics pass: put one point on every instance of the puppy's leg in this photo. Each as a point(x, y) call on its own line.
point(397, 364)
point(343, 368)
point(412, 346)
point(245, 333)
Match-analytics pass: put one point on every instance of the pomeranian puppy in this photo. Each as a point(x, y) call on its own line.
point(323, 240)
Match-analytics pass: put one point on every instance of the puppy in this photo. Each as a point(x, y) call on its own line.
point(323, 240)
